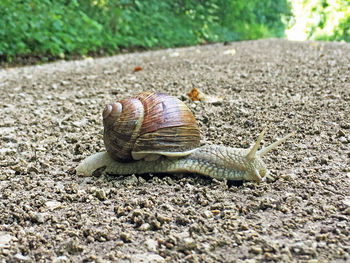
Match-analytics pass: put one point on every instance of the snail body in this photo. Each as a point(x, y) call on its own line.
point(216, 161)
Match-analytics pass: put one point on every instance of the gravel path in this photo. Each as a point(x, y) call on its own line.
point(51, 120)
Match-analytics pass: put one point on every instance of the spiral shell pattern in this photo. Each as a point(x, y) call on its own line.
point(149, 124)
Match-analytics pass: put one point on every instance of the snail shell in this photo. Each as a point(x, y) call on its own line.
point(149, 125)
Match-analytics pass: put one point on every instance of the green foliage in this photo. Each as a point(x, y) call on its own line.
point(59, 27)
point(327, 19)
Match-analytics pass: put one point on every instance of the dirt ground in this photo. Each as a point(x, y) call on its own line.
point(51, 120)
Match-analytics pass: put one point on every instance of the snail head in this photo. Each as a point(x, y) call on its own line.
point(257, 170)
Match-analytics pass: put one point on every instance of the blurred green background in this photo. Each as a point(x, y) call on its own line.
point(51, 29)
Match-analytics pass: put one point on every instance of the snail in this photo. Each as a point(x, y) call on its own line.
point(156, 133)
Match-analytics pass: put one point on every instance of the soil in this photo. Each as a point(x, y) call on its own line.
point(51, 120)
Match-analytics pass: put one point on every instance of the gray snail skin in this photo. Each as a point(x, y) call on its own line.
point(160, 135)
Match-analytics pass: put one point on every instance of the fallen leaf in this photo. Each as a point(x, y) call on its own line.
point(231, 52)
point(137, 68)
point(317, 45)
point(197, 95)
point(193, 94)
point(174, 54)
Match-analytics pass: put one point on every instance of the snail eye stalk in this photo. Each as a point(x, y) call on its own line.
point(272, 146)
point(254, 149)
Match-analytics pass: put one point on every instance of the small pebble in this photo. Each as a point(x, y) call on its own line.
point(52, 205)
point(145, 227)
point(22, 258)
point(146, 258)
point(189, 243)
point(340, 133)
point(125, 237)
point(101, 194)
point(256, 250)
point(5, 239)
point(32, 169)
point(156, 224)
point(207, 214)
point(61, 259)
point(151, 245)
